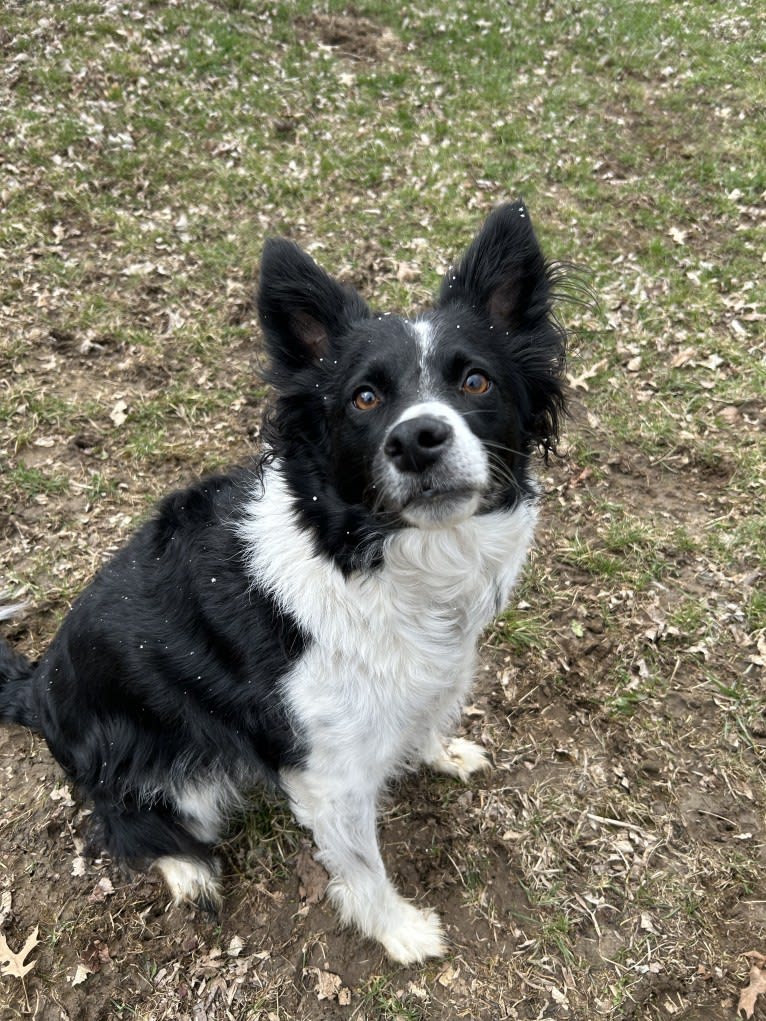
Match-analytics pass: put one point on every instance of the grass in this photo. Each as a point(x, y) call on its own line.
point(148, 150)
point(381, 1001)
point(32, 482)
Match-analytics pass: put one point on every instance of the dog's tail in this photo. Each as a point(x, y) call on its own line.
point(16, 705)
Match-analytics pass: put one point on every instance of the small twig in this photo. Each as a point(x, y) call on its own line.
point(617, 822)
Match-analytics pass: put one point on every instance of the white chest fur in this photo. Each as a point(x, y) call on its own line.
point(392, 649)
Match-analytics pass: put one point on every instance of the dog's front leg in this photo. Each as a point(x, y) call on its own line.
point(343, 823)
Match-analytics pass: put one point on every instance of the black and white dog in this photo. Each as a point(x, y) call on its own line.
point(312, 620)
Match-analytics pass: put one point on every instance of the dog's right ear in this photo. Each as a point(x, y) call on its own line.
point(503, 274)
point(300, 306)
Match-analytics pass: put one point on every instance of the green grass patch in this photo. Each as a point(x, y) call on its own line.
point(35, 482)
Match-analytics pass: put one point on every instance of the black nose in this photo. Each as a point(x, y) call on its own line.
point(417, 443)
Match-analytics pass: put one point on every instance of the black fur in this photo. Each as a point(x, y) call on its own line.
point(165, 665)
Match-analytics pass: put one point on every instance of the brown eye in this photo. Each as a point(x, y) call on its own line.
point(476, 383)
point(365, 399)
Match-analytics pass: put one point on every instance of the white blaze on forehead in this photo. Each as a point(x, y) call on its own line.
point(424, 335)
point(425, 338)
point(436, 408)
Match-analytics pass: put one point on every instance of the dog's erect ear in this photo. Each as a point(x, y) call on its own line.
point(300, 306)
point(503, 273)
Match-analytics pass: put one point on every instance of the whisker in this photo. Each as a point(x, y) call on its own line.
point(502, 473)
point(503, 447)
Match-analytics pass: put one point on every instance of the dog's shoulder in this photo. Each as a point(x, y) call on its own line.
point(211, 500)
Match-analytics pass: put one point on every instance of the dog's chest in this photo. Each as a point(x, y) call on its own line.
point(391, 648)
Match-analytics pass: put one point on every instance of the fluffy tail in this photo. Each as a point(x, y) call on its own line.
point(15, 683)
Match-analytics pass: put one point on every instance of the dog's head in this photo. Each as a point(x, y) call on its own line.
point(383, 421)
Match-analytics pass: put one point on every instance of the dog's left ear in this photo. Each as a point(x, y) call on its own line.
point(300, 306)
point(503, 273)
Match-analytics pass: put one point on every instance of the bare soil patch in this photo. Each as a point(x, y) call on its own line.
point(353, 37)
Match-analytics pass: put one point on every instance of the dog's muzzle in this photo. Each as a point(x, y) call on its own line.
point(431, 468)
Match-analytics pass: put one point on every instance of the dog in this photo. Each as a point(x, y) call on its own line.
point(311, 619)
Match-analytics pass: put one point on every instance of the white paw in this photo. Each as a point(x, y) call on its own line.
point(460, 758)
point(192, 881)
point(416, 935)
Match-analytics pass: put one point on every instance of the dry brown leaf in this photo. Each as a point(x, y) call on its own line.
point(13, 964)
point(447, 976)
point(95, 956)
point(62, 794)
point(5, 907)
point(79, 866)
point(312, 877)
point(682, 357)
point(580, 382)
point(328, 985)
point(101, 890)
point(119, 413)
point(757, 985)
point(80, 975)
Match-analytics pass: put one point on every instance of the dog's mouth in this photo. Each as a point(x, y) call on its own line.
point(441, 506)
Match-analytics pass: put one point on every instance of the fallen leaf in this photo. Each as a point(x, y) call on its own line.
point(13, 964)
point(682, 357)
point(559, 997)
point(80, 975)
point(95, 956)
point(714, 361)
point(513, 835)
point(757, 985)
point(235, 947)
point(313, 879)
point(101, 890)
point(473, 710)
point(79, 866)
point(738, 328)
point(580, 382)
point(646, 922)
point(62, 794)
point(447, 976)
point(139, 269)
point(701, 649)
point(5, 907)
point(328, 986)
point(119, 413)
point(581, 477)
